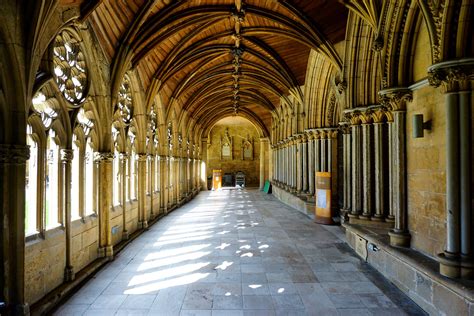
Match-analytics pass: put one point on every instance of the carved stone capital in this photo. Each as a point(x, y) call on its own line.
point(16, 154)
point(103, 156)
point(66, 155)
point(453, 75)
point(395, 99)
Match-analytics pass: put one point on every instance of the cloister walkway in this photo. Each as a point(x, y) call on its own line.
point(238, 252)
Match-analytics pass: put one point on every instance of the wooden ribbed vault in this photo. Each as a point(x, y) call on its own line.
point(217, 57)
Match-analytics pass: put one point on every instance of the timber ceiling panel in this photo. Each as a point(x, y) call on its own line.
point(218, 56)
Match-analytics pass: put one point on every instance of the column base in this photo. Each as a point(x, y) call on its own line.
point(399, 238)
point(467, 268)
point(378, 218)
point(69, 274)
point(449, 265)
point(125, 235)
point(365, 216)
point(106, 252)
point(143, 224)
point(390, 219)
point(353, 215)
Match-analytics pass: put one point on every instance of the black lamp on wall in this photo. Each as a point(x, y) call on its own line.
point(419, 126)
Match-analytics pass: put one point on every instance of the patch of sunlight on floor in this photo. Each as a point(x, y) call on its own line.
point(156, 286)
point(172, 260)
point(166, 273)
point(175, 251)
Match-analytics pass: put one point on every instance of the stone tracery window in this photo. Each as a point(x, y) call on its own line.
point(69, 67)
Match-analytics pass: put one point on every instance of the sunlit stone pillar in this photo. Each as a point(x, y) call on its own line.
point(294, 153)
point(151, 183)
point(142, 213)
point(123, 188)
point(164, 184)
point(104, 184)
point(66, 159)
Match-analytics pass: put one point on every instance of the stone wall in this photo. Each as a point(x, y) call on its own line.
point(426, 173)
point(239, 129)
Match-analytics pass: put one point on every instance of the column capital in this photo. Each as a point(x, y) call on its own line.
point(103, 156)
point(123, 155)
point(395, 99)
point(454, 75)
point(17, 154)
point(353, 116)
point(66, 155)
point(344, 127)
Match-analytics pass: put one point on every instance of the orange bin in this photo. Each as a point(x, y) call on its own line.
point(216, 179)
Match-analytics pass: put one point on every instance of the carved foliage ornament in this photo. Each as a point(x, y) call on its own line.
point(69, 67)
point(124, 101)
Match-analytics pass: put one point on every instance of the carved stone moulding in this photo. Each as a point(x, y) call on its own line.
point(395, 99)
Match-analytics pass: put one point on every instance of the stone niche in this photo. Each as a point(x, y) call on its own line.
point(232, 147)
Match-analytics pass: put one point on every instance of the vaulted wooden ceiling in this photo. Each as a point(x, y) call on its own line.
point(218, 56)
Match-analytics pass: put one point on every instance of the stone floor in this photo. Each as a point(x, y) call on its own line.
point(238, 252)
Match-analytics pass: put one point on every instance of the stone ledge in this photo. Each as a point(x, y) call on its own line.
point(307, 208)
point(415, 274)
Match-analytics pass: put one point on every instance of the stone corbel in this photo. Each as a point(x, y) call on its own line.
point(103, 156)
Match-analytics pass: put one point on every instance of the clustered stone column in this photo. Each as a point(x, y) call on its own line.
point(368, 143)
point(123, 174)
point(457, 77)
point(346, 148)
point(298, 158)
point(104, 191)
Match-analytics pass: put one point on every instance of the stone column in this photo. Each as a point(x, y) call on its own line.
point(263, 148)
point(356, 166)
point(104, 189)
point(391, 207)
point(311, 176)
point(379, 172)
point(456, 77)
point(12, 208)
point(151, 183)
point(367, 189)
point(294, 153)
point(346, 138)
point(163, 184)
point(123, 174)
point(395, 99)
point(299, 164)
point(323, 150)
point(305, 187)
point(66, 159)
point(142, 213)
point(317, 153)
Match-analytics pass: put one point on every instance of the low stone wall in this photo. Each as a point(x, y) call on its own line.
point(294, 201)
point(414, 273)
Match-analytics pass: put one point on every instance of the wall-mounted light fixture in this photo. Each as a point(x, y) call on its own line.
point(419, 126)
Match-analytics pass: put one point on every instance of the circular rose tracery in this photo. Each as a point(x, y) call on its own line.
point(70, 71)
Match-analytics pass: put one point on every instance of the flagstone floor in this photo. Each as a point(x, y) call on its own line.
point(238, 252)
